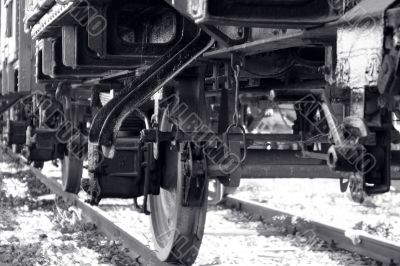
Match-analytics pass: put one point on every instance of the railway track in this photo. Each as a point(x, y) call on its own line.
point(376, 248)
point(138, 250)
point(372, 247)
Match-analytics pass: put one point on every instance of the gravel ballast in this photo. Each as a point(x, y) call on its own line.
point(38, 228)
point(44, 230)
point(322, 200)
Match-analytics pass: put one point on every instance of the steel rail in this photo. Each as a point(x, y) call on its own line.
point(376, 248)
point(359, 242)
point(138, 250)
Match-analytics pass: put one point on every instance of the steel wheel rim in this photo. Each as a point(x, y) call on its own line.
point(164, 218)
point(71, 173)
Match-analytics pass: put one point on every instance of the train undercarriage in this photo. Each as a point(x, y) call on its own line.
point(165, 99)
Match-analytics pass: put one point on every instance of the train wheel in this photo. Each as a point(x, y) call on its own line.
point(38, 164)
point(215, 192)
point(16, 148)
point(72, 163)
point(71, 169)
point(357, 188)
point(177, 228)
point(229, 191)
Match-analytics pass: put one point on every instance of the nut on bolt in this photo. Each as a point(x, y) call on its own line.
point(195, 7)
point(344, 158)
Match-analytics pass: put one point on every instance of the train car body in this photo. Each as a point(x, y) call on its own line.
point(165, 98)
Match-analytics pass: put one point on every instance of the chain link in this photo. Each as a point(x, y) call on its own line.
point(235, 121)
point(236, 72)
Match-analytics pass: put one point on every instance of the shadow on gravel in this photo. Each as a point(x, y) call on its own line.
point(66, 243)
point(110, 207)
point(8, 204)
point(11, 205)
point(264, 228)
point(34, 189)
point(21, 254)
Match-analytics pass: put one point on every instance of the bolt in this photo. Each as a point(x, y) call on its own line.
point(396, 37)
point(325, 70)
point(357, 96)
point(194, 7)
point(240, 31)
point(382, 101)
point(275, 32)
